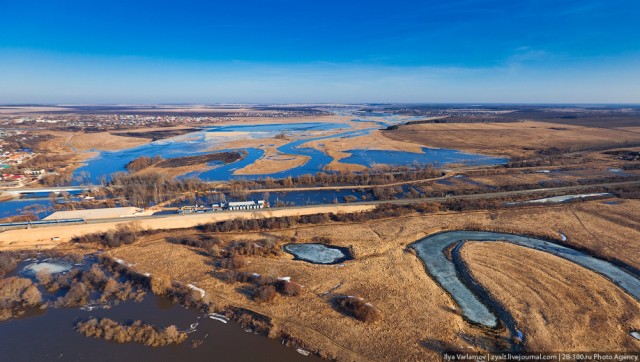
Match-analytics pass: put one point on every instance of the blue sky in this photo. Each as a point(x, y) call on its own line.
point(319, 51)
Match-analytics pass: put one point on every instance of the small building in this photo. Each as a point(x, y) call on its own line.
point(246, 205)
point(217, 207)
point(191, 209)
point(34, 172)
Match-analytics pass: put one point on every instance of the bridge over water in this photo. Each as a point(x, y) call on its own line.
point(55, 189)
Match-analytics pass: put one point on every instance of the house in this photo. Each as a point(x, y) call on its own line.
point(34, 172)
point(12, 177)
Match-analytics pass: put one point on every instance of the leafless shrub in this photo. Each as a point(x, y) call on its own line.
point(288, 288)
point(18, 292)
point(265, 247)
point(358, 308)
point(265, 293)
point(233, 262)
point(159, 284)
point(77, 296)
point(124, 234)
point(199, 241)
point(136, 332)
point(262, 280)
point(7, 263)
point(249, 319)
point(284, 287)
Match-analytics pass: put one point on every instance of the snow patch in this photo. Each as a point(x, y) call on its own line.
point(559, 199)
point(219, 317)
point(192, 327)
point(302, 351)
point(50, 268)
point(122, 262)
point(200, 290)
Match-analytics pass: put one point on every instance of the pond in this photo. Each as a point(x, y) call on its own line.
point(318, 253)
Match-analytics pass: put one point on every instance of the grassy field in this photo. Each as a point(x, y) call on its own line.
point(507, 139)
point(419, 318)
point(559, 305)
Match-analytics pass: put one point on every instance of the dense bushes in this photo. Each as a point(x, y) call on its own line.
point(144, 189)
point(7, 264)
point(265, 293)
point(142, 162)
point(264, 247)
point(280, 285)
point(18, 292)
point(232, 262)
point(124, 234)
point(136, 332)
point(357, 308)
point(284, 222)
point(159, 284)
point(209, 243)
point(377, 176)
point(249, 319)
point(287, 288)
point(82, 285)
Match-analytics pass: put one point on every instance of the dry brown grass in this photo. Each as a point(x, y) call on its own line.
point(559, 305)
point(271, 163)
point(510, 139)
point(387, 275)
point(382, 273)
point(83, 142)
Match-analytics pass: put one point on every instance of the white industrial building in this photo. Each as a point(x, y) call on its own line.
point(246, 205)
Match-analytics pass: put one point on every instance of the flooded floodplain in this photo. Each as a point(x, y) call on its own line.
point(49, 334)
point(198, 143)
